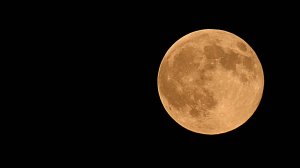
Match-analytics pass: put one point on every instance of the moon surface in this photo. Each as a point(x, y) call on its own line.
point(210, 81)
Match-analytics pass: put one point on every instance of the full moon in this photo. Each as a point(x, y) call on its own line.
point(210, 81)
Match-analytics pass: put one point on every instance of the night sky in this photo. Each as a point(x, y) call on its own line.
point(101, 71)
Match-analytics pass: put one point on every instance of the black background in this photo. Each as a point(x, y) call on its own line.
point(95, 70)
point(136, 118)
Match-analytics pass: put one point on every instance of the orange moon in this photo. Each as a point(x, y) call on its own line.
point(210, 81)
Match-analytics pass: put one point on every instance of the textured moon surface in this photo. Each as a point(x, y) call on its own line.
point(210, 81)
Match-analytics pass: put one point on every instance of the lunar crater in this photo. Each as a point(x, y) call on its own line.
point(242, 46)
